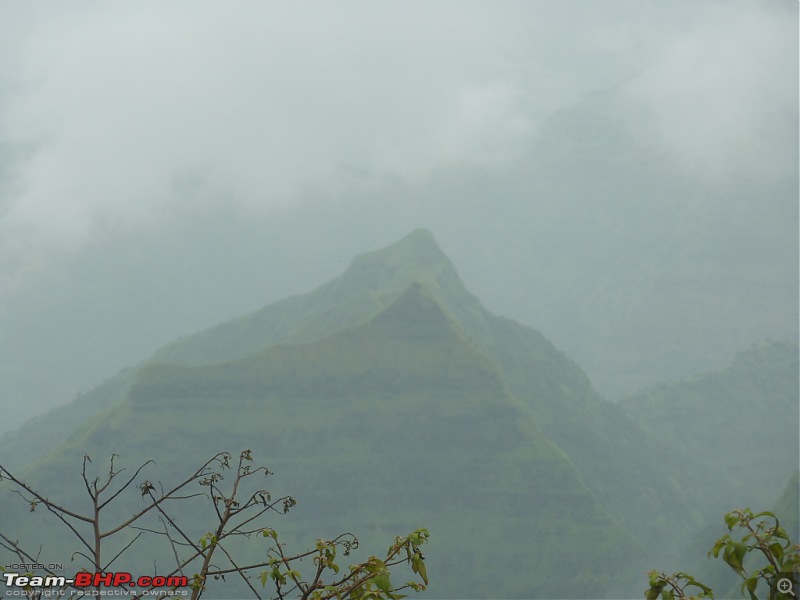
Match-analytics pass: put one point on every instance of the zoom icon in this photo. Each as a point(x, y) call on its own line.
point(785, 586)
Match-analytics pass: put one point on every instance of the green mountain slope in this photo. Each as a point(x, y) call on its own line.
point(788, 507)
point(613, 454)
point(714, 572)
point(366, 287)
point(640, 270)
point(389, 425)
point(395, 355)
point(734, 430)
point(35, 438)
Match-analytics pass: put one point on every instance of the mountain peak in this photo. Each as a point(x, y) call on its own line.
point(419, 248)
point(371, 282)
point(420, 241)
point(416, 258)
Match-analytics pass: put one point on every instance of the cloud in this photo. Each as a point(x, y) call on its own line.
point(721, 87)
point(264, 101)
point(134, 109)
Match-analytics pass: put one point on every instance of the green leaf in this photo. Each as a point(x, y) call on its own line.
point(381, 580)
point(780, 532)
point(423, 572)
point(706, 590)
point(718, 545)
point(654, 591)
point(731, 520)
point(751, 585)
point(375, 565)
point(777, 551)
point(734, 555)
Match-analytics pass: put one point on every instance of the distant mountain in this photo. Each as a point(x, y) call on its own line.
point(360, 293)
point(611, 454)
point(390, 398)
point(715, 573)
point(788, 507)
point(733, 434)
point(640, 269)
point(398, 422)
point(735, 430)
point(368, 285)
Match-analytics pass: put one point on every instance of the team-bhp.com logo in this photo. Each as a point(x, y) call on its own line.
point(95, 580)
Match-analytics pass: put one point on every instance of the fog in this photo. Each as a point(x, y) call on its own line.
point(164, 167)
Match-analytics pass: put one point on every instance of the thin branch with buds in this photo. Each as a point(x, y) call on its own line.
point(235, 517)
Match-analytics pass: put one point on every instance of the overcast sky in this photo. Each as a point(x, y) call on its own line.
point(137, 117)
point(113, 106)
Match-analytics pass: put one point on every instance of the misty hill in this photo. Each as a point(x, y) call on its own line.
point(734, 434)
point(360, 293)
point(368, 285)
point(742, 421)
point(386, 424)
point(395, 379)
point(694, 557)
point(639, 270)
point(612, 455)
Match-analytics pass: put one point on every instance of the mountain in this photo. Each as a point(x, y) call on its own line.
point(787, 508)
point(371, 281)
point(611, 453)
point(733, 435)
point(715, 573)
point(734, 429)
point(639, 270)
point(390, 398)
point(642, 270)
point(397, 422)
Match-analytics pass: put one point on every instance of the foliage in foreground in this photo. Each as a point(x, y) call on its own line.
point(238, 514)
point(762, 535)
